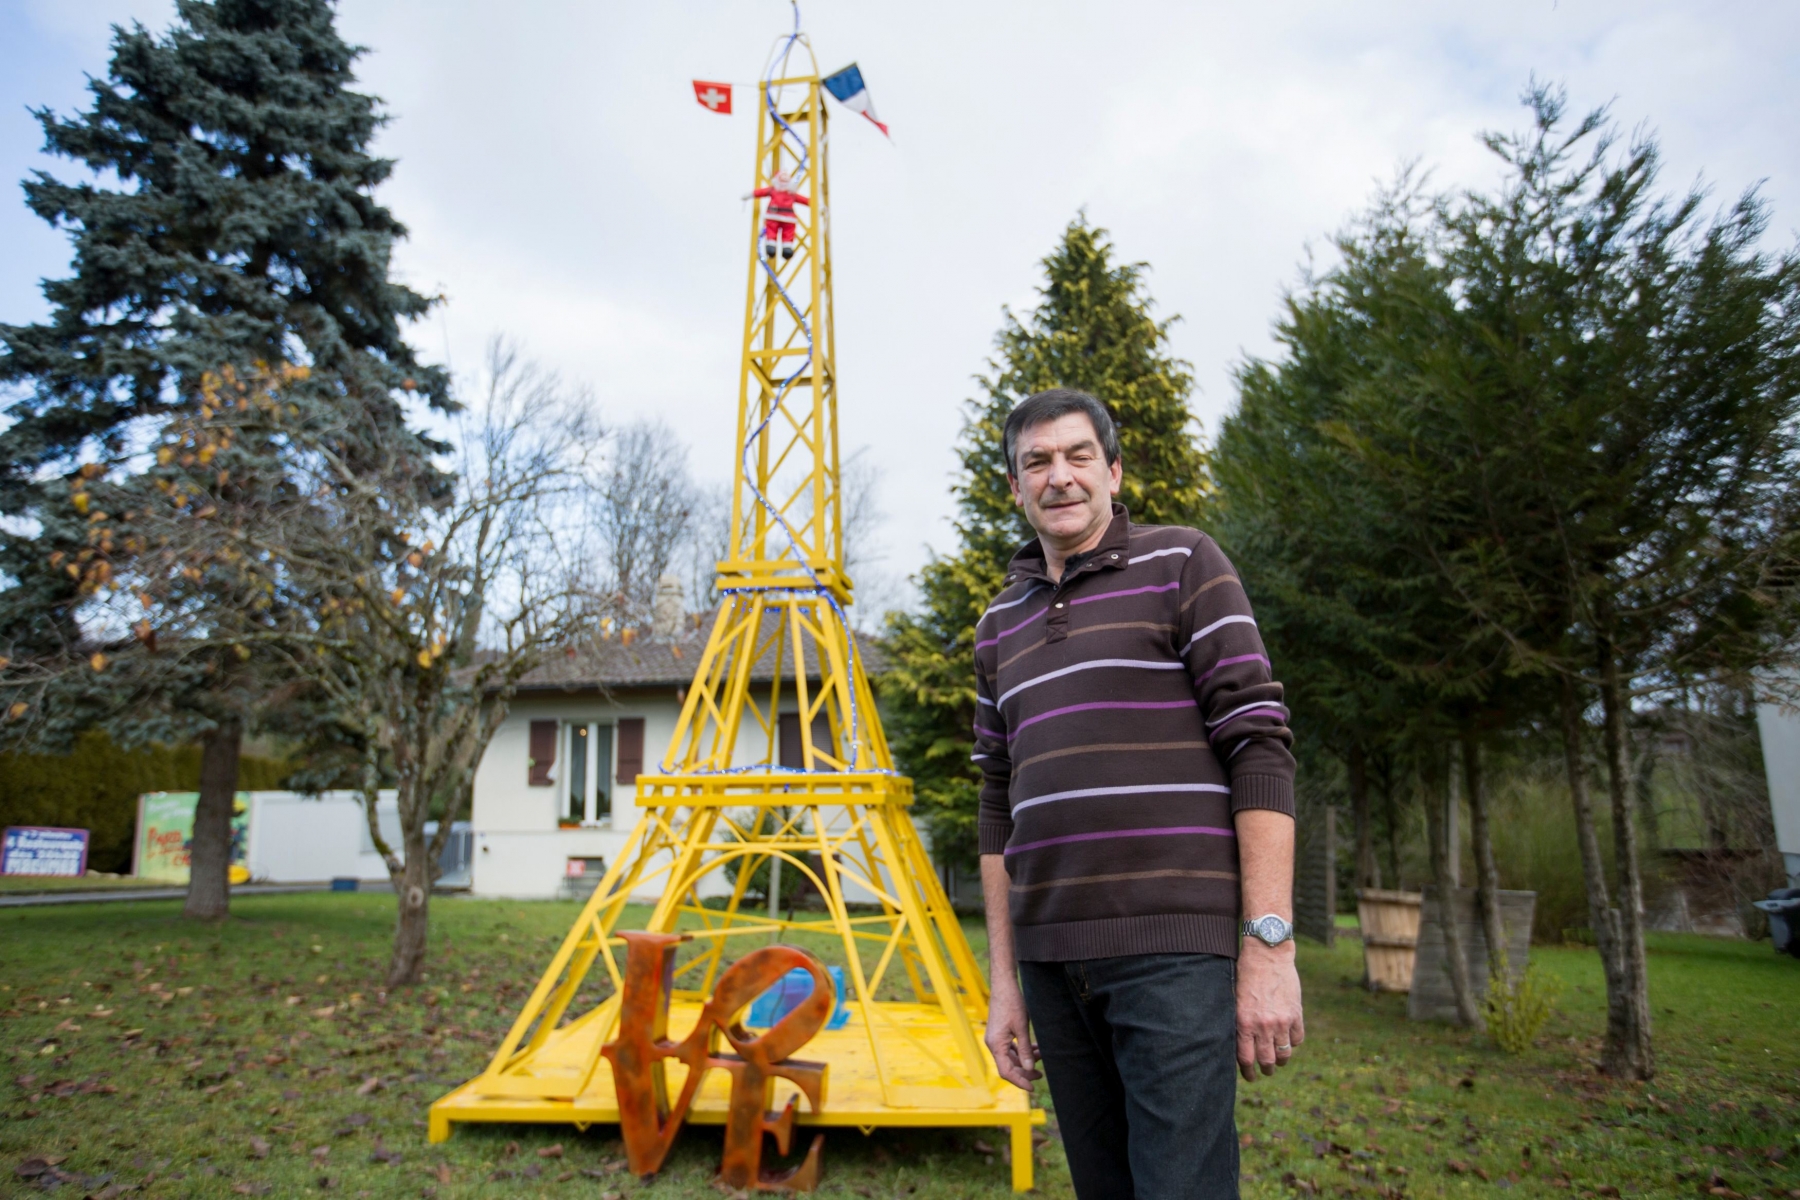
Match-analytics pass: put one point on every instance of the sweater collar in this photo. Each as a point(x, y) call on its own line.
point(1029, 562)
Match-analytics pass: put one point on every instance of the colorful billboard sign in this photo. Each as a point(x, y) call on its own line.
point(165, 835)
point(43, 850)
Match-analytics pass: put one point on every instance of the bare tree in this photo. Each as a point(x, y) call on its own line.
point(877, 589)
point(401, 605)
point(426, 646)
point(709, 541)
point(643, 513)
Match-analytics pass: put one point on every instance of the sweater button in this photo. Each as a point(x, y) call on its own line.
point(1059, 604)
point(1115, 556)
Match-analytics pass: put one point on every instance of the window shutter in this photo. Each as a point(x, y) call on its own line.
point(631, 748)
point(543, 752)
point(788, 752)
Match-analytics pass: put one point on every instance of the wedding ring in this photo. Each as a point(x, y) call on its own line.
point(1280, 1049)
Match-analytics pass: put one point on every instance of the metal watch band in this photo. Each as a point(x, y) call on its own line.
point(1269, 929)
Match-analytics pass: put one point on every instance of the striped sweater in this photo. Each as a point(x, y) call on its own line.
point(1123, 715)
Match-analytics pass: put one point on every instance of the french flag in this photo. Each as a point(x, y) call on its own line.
point(848, 86)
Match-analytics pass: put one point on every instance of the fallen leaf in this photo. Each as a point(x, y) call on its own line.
point(251, 1189)
point(324, 1012)
point(565, 1177)
point(320, 1153)
point(259, 1147)
point(38, 1164)
point(982, 1147)
point(441, 1172)
point(555, 1151)
point(368, 1085)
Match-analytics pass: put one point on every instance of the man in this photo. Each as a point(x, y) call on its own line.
point(1138, 799)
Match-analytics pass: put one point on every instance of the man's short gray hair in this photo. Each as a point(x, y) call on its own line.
point(1048, 406)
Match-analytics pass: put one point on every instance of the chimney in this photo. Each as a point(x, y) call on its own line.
point(666, 610)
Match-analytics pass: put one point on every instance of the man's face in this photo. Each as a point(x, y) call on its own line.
point(1064, 483)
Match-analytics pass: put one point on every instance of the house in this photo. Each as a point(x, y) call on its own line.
point(553, 800)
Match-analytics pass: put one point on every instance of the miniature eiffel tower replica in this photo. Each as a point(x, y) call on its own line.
point(722, 804)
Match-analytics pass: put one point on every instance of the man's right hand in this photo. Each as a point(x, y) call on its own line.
point(1009, 1038)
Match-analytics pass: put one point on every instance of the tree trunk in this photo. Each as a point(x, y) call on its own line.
point(1368, 870)
point(1629, 1056)
point(1601, 915)
point(209, 855)
point(412, 886)
point(1487, 872)
point(1437, 802)
point(1393, 823)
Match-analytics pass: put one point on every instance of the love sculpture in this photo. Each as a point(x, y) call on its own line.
point(649, 1122)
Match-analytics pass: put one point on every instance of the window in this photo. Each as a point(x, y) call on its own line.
point(587, 795)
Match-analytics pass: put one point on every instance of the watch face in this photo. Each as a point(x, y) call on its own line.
point(1271, 929)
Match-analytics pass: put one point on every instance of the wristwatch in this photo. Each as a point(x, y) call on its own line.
point(1271, 930)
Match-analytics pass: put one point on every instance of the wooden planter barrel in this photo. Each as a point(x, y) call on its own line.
point(1390, 937)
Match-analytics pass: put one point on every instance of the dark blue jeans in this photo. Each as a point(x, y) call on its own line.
point(1141, 1054)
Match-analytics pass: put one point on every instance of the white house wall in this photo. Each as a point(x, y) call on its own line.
point(519, 851)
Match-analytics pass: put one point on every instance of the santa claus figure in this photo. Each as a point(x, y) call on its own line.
point(778, 214)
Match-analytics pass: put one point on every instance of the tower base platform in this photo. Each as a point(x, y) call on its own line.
point(571, 1084)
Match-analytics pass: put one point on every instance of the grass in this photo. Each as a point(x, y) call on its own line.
point(204, 1062)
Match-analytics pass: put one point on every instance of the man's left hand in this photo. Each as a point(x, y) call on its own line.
point(1269, 1021)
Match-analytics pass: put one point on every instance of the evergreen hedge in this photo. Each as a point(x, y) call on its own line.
point(96, 786)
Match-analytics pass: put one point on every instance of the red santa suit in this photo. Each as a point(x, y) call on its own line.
point(778, 214)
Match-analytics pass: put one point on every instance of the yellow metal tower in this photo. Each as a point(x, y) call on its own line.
point(722, 805)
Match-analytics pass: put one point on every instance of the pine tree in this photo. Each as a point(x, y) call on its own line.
point(1093, 331)
point(241, 234)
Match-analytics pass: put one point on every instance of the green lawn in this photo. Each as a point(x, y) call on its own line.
point(203, 1062)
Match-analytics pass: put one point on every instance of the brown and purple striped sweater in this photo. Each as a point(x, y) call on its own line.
point(1124, 714)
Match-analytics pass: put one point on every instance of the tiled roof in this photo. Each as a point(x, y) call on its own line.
point(608, 662)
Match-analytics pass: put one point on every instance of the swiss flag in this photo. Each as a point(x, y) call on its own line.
point(715, 97)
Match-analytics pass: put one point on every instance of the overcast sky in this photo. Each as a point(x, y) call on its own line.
point(562, 186)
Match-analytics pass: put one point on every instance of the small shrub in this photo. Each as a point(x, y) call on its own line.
point(1517, 1008)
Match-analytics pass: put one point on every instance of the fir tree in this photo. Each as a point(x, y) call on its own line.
point(241, 234)
point(1092, 331)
